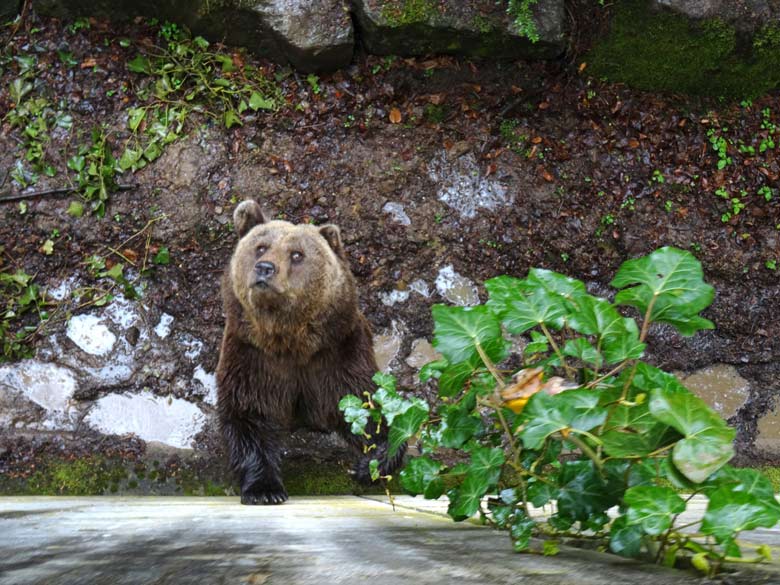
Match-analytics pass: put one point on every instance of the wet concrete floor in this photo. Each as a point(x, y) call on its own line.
point(146, 540)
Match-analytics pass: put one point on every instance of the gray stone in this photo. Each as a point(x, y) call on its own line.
point(335, 540)
point(477, 29)
point(746, 14)
point(314, 35)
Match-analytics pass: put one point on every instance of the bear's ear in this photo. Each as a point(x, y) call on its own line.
point(332, 235)
point(246, 216)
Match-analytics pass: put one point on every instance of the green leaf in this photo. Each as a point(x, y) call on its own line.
point(539, 344)
point(453, 378)
point(729, 512)
point(486, 464)
point(386, 381)
point(406, 425)
point(545, 414)
point(540, 307)
point(163, 256)
point(672, 280)
point(707, 445)
point(458, 330)
point(140, 64)
point(749, 481)
point(625, 539)
point(432, 370)
point(458, 426)
point(232, 119)
point(354, 413)
point(653, 507)
point(583, 492)
point(75, 209)
point(134, 118)
point(521, 531)
point(258, 102)
point(465, 500)
point(48, 247)
point(129, 158)
point(581, 349)
point(373, 469)
point(421, 476)
point(568, 288)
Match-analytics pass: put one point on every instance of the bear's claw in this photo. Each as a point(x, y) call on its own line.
point(263, 496)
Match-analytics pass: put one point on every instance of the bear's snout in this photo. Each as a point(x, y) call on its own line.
point(265, 271)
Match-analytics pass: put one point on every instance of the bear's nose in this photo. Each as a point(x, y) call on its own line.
point(265, 270)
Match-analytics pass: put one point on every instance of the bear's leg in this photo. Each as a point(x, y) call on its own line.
point(387, 465)
point(255, 456)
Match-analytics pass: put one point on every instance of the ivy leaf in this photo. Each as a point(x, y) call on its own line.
point(134, 118)
point(432, 370)
point(521, 530)
point(354, 413)
point(545, 414)
point(672, 281)
point(458, 330)
point(486, 464)
point(581, 349)
point(625, 539)
point(583, 492)
point(140, 64)
point(707, 445)
point(458, 426)
point(421, 476)
point(749, 481)
point(163, 256)
point(232, 118)
point(453, 378)
point(540, 307)
point(729, 512)
point(406, 425)
point(539, 344)
point(563, 286)
point(653, 507)
point(258, 102)
point(502, 290)
point(386, 381)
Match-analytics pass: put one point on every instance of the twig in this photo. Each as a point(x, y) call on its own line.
point(60, 191)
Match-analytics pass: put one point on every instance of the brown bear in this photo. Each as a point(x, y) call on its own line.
point(294, 343)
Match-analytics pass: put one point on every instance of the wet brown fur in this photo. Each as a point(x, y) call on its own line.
point(287, 359)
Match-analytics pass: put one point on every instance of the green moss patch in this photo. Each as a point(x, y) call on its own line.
point(662, 51)
point(403, 12)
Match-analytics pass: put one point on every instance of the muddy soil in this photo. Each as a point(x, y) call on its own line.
point(555, 169)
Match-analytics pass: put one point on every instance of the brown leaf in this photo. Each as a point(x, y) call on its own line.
point(633, 143)
point(582, 67)
point(544, 105)
point(395, 116)
point(536, 140)
point(130, 254)
point(491, 169)
point(88, 62)
point(547, 176)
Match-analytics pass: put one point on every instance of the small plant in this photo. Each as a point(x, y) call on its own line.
point(658, 177)
point(771, 264)
point(21, 313)
point(634, 434)
point(522, 13)
point(765, 192)
point(95, 170)
point(314, 83)
point(721, 146)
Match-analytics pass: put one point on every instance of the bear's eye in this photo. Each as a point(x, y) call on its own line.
point(296, 257)
point(261, 250)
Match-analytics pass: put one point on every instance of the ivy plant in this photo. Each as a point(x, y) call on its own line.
point(610, 446)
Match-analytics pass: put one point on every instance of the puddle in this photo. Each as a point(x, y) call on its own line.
point(166, 420)
point(387, 344)
point(47, 385)
point(91, 334)
point(720, 386)
point(422, 352)
point(768, 437)
point(396, 211)
point(460, 184)
point(455, 288)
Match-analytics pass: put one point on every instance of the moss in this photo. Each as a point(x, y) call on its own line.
point(482, 24)
point(662, 51)
point(83, 477)
point(404, 12)
point(773, 474)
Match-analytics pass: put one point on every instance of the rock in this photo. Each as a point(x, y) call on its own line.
point(9, 9)
point(729, 10)
point(476, 29)
point(314, 35)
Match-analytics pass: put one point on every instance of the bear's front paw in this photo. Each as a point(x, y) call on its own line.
point(263, 493)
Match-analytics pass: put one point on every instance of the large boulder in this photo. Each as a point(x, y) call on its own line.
point(480, 28)
point(311, 35)
point(8, 9)
point(750, 11)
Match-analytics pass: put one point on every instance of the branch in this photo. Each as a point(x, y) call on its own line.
point(8, 196)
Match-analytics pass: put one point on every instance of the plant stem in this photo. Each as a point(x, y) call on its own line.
point(585, 448)
point(569, 370)
point(489, 365)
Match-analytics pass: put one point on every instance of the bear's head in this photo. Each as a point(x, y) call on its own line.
point(287, 271)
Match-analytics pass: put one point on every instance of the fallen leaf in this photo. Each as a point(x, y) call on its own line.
point(88, 62)
point(536, 140)
point(395, 116)
point(130, 254)
point(547, 176)
point(582, 67)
